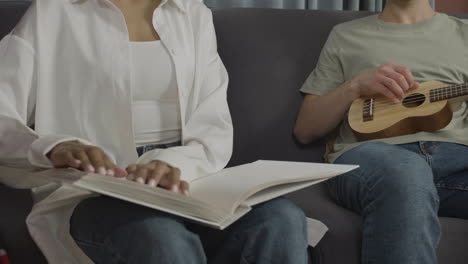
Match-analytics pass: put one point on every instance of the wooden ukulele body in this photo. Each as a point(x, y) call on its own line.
point(378, 117)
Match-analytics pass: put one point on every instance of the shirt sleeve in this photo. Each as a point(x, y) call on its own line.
point(328, 73)
point(18, 77)
point(208, 131)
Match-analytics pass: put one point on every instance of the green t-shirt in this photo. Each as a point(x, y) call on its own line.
point(435, 49)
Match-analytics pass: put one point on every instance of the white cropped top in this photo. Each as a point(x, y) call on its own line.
point(156, 111)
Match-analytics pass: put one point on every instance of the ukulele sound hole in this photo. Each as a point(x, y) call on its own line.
point(414, 100)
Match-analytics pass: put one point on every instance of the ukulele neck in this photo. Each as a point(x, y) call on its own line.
point(448, 92)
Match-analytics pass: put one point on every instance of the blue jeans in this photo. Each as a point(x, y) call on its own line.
point(399, 190)
point(114, 231)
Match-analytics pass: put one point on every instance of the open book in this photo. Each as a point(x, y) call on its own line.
point(216, 200)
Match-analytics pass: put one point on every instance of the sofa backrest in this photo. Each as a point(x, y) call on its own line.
point(10, 14)
point(269, 54)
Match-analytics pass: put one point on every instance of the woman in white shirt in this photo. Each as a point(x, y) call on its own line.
point(130, 89)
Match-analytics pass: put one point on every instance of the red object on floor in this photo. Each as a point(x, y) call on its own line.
point(4, 257)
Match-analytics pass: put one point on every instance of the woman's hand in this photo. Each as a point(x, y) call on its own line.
point(391, 80)
point(84, 157)
point(158, 173)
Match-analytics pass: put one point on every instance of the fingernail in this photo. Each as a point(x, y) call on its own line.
point(186, 192)
point(130, 177)
point(152, 183)
point(78, 161)
point(110, 172)
point(102, 171)
point(175, 188)
point(91, 168)
point(140, 180)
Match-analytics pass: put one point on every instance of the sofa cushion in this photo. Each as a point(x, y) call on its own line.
point(10, 14)
point(15, 206)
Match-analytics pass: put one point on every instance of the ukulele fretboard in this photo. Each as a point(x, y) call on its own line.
point(448, 92)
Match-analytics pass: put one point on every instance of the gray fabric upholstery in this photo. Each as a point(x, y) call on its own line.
point(10, 13)
point(268, 54)
point(15, 205)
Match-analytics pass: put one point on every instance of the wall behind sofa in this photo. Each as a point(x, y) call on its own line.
point(370, 5)
point(444, 6)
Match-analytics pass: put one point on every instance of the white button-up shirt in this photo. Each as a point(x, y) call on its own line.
point(65, 69)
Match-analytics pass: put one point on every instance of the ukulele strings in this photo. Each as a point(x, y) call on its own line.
point(388, 105)
point(446, 91)
point(384, 103)
point(442, 91)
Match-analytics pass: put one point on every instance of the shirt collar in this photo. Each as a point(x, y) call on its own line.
point(178, 4)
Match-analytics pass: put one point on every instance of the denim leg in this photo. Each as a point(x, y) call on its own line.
point(394, 192)
point(113, 231)
point(450, 166)
point(274, 232)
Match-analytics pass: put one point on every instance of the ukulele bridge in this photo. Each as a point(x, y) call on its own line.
point(368, 110)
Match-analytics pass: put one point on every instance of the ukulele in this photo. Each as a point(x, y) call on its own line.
point(428, 108)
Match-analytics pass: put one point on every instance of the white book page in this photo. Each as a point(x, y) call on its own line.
point(157, 198)
point(230, 187)
point(277, 191)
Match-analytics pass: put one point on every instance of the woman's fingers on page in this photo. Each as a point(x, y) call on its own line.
point(141, 174)
point(71, 161)
point(159, 170)
point(131, 169)
point(112, 169)
point(171, 180)
point(119, 172)
point(155, 177)
point(85, 163)
point(96, 156)
point(109, 166)
point(184, 188)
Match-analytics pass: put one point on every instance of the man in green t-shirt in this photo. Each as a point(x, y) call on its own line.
point(405, 181)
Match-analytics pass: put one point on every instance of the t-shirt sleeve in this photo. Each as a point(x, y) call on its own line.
point(464, 30)
point(328, 73)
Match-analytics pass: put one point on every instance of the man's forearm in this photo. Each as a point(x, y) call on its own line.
point(321, 114)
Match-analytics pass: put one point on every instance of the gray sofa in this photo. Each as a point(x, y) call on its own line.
point(268, 54)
